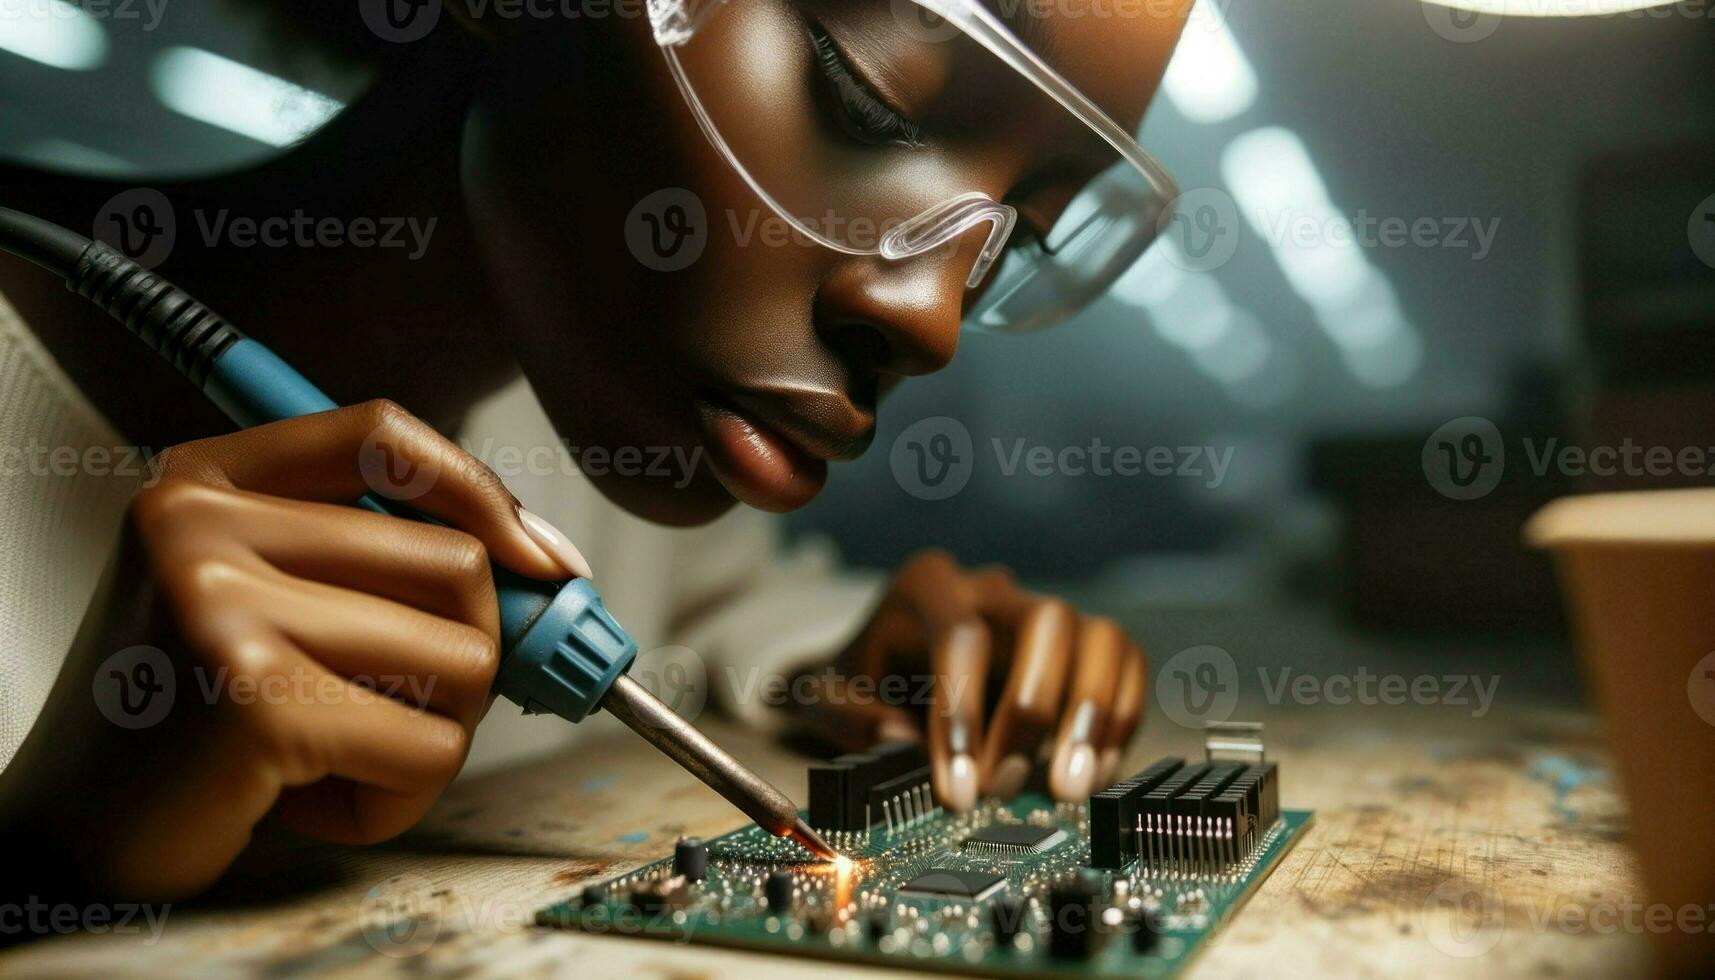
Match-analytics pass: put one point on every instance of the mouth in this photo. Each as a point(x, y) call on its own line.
point(771, 450)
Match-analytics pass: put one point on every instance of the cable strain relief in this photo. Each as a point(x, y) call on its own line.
point(184, 331)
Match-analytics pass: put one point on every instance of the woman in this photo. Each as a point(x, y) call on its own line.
point(897, 153)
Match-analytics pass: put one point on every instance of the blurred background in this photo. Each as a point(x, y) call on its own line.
point(1327, 352)
point(1405, 228)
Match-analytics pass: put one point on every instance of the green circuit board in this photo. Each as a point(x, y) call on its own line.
point(889, 905)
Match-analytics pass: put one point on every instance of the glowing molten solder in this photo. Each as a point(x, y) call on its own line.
point(843, 867)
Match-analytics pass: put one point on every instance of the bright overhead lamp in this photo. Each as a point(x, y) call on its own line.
point(1551, 8)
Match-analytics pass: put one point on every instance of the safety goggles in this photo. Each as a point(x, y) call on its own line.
point(866, 137)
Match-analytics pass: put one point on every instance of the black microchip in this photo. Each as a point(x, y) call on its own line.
point(1002, 839)
point(953, 883)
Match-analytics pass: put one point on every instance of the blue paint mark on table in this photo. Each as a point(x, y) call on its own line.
point(1564, 775)
point(598, 783)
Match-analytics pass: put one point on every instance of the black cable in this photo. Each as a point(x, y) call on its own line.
point(166, 318)
point(42, 242)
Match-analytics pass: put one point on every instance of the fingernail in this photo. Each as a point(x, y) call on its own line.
point(1073, 771)
point(1109, 762)
point(959, 783)
point(896, 730)
point(553, 541)
point(1010, 775)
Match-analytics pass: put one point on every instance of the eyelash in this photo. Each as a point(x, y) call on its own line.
point(863, 114)
point(870, 120)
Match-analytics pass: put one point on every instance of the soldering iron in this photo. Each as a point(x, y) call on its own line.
point(564, 654)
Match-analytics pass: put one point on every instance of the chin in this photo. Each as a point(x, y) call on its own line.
point(658, 501)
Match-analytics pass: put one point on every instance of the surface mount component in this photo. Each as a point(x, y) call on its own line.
point(1010, 840)
point(953, 883)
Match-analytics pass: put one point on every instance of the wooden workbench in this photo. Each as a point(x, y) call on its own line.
point(1511, 817)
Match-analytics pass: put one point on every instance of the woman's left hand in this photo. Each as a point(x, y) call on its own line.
point(993, 672)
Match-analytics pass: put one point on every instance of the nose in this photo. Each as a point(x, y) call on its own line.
point(898, 318)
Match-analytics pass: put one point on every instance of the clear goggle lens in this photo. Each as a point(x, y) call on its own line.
point(879, 128)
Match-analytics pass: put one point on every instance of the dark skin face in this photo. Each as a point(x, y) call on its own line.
point(771, 358)
point(784, 350)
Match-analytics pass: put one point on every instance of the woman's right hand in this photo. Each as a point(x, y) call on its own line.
point(328, 664)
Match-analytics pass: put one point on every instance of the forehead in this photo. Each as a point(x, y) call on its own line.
point(1114, 51)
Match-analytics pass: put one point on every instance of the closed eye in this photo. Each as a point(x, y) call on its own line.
point(860, 111)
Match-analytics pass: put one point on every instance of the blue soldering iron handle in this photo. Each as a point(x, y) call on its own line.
point(562, 648)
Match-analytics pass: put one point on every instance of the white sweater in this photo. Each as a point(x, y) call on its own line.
point(66, 477)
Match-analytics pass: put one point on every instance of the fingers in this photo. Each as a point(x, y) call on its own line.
point(378, 447)
point(850, 715)
point(1127, 714)
point(403, 653)
point(385, 765)
point(1079, 681)
point(932, 585)
point(219, 574)
point(418, 753)
point(436, 569)
point(1030, 702)
point(1089, 703)
point(288, 721)
point(324, 732)
point(960, 662)
point(308, 671)
point(893, 630)
point(931, 599)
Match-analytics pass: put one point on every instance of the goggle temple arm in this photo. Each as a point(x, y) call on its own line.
point(949, 220)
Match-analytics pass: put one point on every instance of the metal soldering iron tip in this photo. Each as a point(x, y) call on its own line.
point(812, 840)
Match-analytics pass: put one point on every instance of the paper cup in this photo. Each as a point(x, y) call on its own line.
point(1638, 572)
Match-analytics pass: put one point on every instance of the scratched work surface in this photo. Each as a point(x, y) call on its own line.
point(1443, 845)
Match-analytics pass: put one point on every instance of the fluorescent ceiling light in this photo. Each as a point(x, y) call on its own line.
point(1270, 173)
point(1285, 201)
point(52, 33)
point(70, 153)
point(1209, 79)
point(1387, 365)
point(1551, 8)
point(1240, 354)
point(238, 98)
point(1192, 311)
point(1189, 310)
point(1369, 319)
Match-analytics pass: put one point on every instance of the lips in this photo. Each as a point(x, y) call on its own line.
point(819, 424)
point(771, 450)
